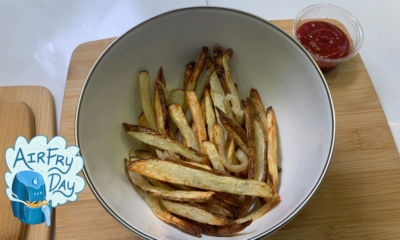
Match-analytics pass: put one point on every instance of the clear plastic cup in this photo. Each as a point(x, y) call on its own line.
point(338, 17)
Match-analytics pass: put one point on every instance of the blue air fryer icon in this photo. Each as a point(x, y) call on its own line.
point(29, 192)
point(42, 175)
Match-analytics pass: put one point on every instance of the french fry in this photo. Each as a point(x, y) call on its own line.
point(272, 143)
point(228, 55)
point(144, 82)
point(258, 107)
point(261, 163)
point(204, 80)
point(209, 63)
point(176, 96)
point(166, 216)
point(197, 70)
point(161, 111)
point(219, 68)
point(203, 111)
point(242, 157)
point(252, 155)
point(132, 153)
point(220, 231)
point(179, 119)
point(227, 198)
point(188, 74)
point(213, 155)
point(229, 164)
point(161, 77)
point(260, 212)
point(218, 95)
point(195, 212)
point(143, 121)
point(195, 109)
point(220, 142)
point(236, 108)
point(200, 165)
point(214, 207)
point(143, 154)
point(237, 132)
point(179, 172)
point(167, 155)
point(151, 137)
point(167, 194)
point(228, 110)
point(209, 113)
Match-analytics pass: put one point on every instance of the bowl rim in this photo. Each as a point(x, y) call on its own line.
point(265, 233)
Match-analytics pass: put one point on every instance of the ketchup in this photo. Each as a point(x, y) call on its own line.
point(324, 40)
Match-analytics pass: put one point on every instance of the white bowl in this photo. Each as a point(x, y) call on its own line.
point(265, 58)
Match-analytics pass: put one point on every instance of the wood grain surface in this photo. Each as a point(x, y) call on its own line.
point(41, 102)
point(358, 199)
point(16, 119)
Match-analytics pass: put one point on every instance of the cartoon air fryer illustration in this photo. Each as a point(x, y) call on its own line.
point(30, 205)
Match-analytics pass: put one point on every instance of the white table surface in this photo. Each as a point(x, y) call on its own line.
point(39, 36)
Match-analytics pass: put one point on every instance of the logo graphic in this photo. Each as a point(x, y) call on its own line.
point(42, 174)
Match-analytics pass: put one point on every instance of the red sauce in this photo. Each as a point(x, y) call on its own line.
point(325, 40)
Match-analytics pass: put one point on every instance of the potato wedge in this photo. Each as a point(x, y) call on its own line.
point(197, 70)
point(188, 74)
point(231, 159)
point(144, 83)
point(272, 143)
point(161, 111)
point(237, 132)
point(142, 120)
point(213, 155)
point(219, 68)
point(179, 119)
point(210, 114)
point(150, 137)
point(195, 212)
point(166, 216)
point(195, 109)
point(179, 172)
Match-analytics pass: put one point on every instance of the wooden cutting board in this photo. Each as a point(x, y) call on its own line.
point(41, 102)
point(358, 198)
point(16, 119)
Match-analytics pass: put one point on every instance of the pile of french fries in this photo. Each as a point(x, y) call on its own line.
point(209, 152)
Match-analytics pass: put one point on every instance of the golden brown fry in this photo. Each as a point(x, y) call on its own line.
point(261, 163)
point(227, 198)
point(203, 110)
point(258, 107)
point(179, 172)
point(204, 80)
point(179, 118)
point(161, 78)
point(195, 212)
point(151, 137)
point(213, 155)
point(219, 68)
point(252, 155)
point(272, 143)
point(236, 131)
point(195, 109)
point(197, 70)
point(143, 154)
point(228, 110)
point(270, 202)
point(166, 216)
point(200, 165)
point(161, 111)
point(228, 54)
point(188, 74)
point(142, 120)
point(144, 83)
point(236, 108)
point(215, 207)
point(210, 114)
